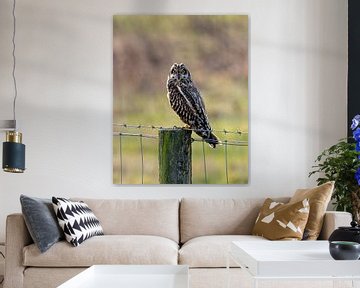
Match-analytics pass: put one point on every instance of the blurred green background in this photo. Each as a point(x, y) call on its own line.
point(215, 50)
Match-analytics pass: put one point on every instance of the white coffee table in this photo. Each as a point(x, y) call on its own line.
point(131, 276)
point(285, 260)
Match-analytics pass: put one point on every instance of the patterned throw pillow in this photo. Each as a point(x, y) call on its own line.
point(77, 220)
point(279, 221)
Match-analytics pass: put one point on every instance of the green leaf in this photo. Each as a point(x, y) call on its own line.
point(339, 163)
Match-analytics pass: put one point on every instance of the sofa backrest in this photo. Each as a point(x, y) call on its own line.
point(200, 217)
point(159, 217)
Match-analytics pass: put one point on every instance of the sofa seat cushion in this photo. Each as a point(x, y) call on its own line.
point(107, 249)
point(211, 251)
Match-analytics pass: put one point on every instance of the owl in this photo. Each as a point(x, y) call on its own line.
point(186, 101)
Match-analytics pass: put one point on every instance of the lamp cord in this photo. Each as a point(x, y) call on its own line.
point(14, 61)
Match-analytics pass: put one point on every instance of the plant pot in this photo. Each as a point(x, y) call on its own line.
point(343, 250)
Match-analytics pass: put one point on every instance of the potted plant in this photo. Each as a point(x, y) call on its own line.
point(341, 163)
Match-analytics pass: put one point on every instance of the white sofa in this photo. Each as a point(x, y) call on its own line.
point(194, 232)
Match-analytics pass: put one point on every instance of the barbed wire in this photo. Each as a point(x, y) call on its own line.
point(135, 135)
point(224, 142)
point(157, 127)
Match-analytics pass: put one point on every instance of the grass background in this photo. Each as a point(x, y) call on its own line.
point(215, 50)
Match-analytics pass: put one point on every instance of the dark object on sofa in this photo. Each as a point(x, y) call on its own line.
point(41, 221)
point(345, 233)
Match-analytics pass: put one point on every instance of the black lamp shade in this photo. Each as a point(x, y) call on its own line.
point(13, 157)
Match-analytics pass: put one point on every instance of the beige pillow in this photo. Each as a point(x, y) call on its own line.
point(279, 221)
point(319, 198)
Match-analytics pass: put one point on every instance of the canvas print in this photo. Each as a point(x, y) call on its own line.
point(180, 99)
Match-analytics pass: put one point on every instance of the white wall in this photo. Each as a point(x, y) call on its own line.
point(64, 72)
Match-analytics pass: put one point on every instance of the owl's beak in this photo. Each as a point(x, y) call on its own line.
point(176, 78)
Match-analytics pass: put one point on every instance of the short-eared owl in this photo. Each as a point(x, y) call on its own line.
point(186, 101)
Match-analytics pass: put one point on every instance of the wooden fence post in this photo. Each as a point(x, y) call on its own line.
point(175, 156)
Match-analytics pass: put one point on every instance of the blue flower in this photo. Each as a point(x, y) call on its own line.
point(355, 122)
point(356, 134)
point(357, 176)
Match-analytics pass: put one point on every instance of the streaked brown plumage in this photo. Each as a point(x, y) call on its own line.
point(186, 101)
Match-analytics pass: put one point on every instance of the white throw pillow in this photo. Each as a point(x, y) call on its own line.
point(77, 220)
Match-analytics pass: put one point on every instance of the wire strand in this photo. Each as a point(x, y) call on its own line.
point(156, 127)
point(228, 142)
point(14, 61)
point(142, 159)
point(135, 135)
point(226, 162)
point(204, 161)
point(121, 159)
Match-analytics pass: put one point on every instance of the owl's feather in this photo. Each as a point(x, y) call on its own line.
point(186, 101)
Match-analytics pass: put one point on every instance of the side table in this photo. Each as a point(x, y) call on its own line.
point(131, 276)
point(292, 263)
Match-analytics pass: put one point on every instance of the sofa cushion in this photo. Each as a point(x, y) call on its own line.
point(319, 198)
point(279, 221)
point(77, 220)
point(107, 249)
point(211, 251)
point(158, 217)
point(41, 221)
point(200, 217)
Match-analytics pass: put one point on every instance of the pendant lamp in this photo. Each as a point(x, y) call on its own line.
point(13, 160)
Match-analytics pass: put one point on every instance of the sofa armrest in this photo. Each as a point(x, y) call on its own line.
point(17, 237)
point(332, 220)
